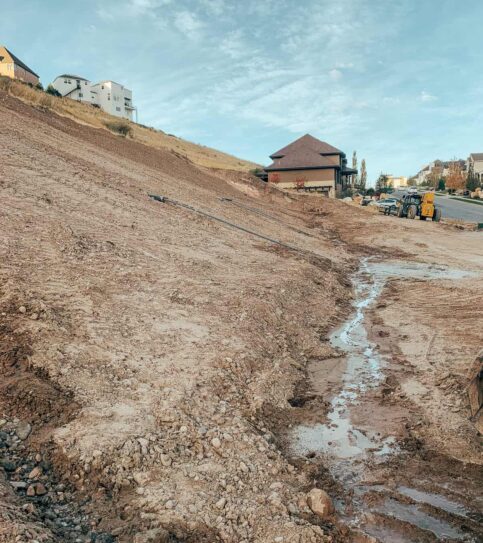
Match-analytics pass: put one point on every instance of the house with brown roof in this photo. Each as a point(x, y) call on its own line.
point(11, 66)
point(310, 165)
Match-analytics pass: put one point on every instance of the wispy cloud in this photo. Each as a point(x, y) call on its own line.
point(236, 72)
point(188, 24)
point(427, 97)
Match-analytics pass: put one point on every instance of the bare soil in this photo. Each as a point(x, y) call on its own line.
point(159, 356)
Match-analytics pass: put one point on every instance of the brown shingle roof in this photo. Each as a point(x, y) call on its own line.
point(477, 156)
point(306, 152)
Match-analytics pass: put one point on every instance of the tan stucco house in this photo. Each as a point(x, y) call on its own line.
point(476, 160)
point(310, 165)
point(11, 66)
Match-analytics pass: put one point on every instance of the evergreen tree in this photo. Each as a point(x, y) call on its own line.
point(354, 167)
point(363, 176)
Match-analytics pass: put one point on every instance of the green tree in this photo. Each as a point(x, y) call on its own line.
point(472, 181)
point(355, 179)
point(53, 91)
point(363, 176)
point(441, 184)
point(382, 183)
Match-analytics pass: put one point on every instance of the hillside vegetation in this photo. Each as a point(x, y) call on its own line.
point(95, 117)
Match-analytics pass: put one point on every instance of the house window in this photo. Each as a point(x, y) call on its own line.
point(80, 95)
point(65, 80)
point(85, 82)
point(102, 87)
point(118, 108)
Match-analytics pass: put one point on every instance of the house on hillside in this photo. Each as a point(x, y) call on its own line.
point(11, 66)
point(75, 87)
point(310, 165)
point(111, 97)
point(476, 160)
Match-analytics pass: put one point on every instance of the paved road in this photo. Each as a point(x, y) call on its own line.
point(456, 209)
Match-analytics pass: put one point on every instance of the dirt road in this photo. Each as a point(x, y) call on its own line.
point(155, 363)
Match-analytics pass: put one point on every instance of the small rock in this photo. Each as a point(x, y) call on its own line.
point(157, 535)
point(243, 467)
point(34, 316)
point(38, 457)
point(320, 503)
point(220, 504)
point(23, 430)
point(40, 489)
point(166, 460)
point(18, 484)
point(2, 422)
point(7, 465)
point(31, 491)
point(35, 473)
point(170, 504)
point(216, 443)
point(29, 508)
point(22, 309)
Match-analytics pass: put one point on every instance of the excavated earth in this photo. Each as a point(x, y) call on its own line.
point(155, 363)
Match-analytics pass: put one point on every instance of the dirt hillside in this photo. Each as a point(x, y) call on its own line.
point(151, 357)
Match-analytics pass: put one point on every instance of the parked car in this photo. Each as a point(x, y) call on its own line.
point(412, 190)
point(387, 205)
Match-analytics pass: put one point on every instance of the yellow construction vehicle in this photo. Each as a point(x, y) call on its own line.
point(418, 205)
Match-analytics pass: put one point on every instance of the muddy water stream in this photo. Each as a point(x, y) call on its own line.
point(348, 452)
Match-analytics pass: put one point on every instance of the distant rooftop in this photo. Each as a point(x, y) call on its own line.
point(70, 76)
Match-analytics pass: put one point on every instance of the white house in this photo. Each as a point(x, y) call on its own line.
point(112, 97)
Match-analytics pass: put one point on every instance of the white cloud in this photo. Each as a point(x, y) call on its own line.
point(427, 97)
point(216, 7)
point(335, 75)
point(188, 24)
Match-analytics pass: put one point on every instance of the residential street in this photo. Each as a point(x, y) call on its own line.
point(456, 209)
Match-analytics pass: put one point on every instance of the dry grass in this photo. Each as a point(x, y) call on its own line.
point(83, 113)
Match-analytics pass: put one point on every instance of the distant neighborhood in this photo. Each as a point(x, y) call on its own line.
point(306, 165)
point(111, 97)
point(456, 174)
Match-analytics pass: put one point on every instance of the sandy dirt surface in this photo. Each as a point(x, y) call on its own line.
point(153, 359)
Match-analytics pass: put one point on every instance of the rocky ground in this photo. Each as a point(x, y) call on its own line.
point(152, 358)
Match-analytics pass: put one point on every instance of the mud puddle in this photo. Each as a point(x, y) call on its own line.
point(352, 452)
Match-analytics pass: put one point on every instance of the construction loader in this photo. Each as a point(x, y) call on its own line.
point(418, 205)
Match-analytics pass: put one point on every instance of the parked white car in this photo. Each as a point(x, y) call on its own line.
point(385, 206)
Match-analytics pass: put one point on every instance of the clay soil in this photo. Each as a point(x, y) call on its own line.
point(158, 355)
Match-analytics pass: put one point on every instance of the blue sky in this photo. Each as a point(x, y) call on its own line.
point(400, 81)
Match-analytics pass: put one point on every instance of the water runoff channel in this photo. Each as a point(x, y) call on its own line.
point(347, 450)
